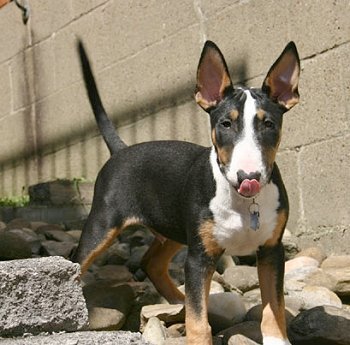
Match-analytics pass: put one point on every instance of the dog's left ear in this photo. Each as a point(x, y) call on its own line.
point(281, 82)
point(213, 78)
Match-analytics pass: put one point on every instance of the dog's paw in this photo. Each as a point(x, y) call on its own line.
point(275, 341)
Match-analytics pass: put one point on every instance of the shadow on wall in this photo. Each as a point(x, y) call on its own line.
point(32, 156)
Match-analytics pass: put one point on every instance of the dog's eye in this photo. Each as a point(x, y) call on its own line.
point(226, 124)
point(269, 124)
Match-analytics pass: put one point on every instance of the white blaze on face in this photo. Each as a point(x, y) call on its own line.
point(246, 154)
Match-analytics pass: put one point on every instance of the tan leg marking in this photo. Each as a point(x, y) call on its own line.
point(278, 231)
point(105, 243)
point(206, 232)
point(155, 263)
point(273, 319)
point(198, 330)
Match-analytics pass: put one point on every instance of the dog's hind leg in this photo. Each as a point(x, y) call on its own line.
point(155, 264)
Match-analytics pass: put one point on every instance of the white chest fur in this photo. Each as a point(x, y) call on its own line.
point(232, 229)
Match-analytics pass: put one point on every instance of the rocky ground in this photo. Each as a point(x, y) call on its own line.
point(120, 304)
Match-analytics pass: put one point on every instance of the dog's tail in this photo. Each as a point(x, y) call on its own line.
point(105, 125)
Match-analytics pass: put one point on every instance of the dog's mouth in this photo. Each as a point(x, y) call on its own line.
point(249, 188)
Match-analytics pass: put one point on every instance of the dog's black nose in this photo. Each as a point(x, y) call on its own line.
point(241, 176)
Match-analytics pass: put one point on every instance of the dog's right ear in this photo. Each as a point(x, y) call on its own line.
point(213, 78)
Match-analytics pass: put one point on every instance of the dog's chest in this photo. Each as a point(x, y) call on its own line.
point(234, 227)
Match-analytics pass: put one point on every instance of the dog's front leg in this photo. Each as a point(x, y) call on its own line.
point(199, 270)
point(271, 274)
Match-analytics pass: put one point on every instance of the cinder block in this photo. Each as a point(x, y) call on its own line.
point(119, 30)
point(183, 122)
point(14, 35)
point(317, 26)
point(5, 94)
point(33, 74)
point(322, 112)
point(288, 164)
point(250, 36)
point(16, 132)
point(27, 307)
point(325, 173)
point(47, 17)
point(81, 7)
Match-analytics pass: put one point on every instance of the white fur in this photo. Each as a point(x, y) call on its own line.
point(246, 153)
point(275, 341)
point(232, 218)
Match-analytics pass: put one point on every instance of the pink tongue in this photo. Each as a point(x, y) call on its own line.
point(249, 188)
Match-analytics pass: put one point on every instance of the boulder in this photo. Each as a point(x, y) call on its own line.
point(41, 295)
point(322, 326)
point(13, 247)
point(244, 278)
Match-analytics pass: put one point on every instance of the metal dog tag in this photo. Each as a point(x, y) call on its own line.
point(254, 216)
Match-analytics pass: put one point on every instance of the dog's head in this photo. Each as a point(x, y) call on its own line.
point(246, 123)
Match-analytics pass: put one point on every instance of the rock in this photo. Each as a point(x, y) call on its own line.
point(322, 326)
point(18, 223)
point(176, 341)
point(37, 224)
point(100, 295)
point(2, 226)
point(76, 234)
point(154, 332)
point(239, 339)
point(41, 295)
point(252, 298)
point(300, 267)
point(176, 330)
point(321, 278)
point(314, 296)
point(244, 278)
point(59, 235)
point(13, 247)
point(316, 253)
point(113, 273)
point(53, 248)
point(224, 263)
point(105, 319)
point(165, 312)
point(225, 310)
point(29, 236)
point(249, 329)
point(300, 262)
point(341, 278)
point(42, 229)
point(336, 261)
point(255, 314)
point(81, 338)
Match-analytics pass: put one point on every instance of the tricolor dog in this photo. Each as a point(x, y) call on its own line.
point(228, 198)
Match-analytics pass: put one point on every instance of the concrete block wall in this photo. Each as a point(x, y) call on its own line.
point(145, 55)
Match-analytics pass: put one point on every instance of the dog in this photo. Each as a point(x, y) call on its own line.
point(228, 198)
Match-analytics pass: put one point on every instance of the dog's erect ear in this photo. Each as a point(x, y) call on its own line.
point(212, 77)
point(281, 82)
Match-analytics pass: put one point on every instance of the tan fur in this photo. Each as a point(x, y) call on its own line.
point(206, 233)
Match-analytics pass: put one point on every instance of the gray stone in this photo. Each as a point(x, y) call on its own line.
point(341, 276)
point(76, 234)
point(321, 325)
point(154, 332)
point(244, 278)
point(59, 235)
point(100, 295)
point(41, 295)
point(316, 253)
point(113, 273)
point(80, 338)
point(250, 329)
point(13, 247)
point(240, 339)
point(225, 309)
point(18, 223)
point(164, 312)
point(53, 248)
point(336, 261)
point(314, 296)
point(30, 236)
point(107, 319)
point(255, 314)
